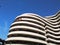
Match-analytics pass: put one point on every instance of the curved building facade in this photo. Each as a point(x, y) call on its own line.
point(32, 29)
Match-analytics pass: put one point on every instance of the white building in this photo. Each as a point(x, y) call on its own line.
point(32, 29)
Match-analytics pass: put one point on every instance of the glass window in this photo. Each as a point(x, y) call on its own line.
point(0, 43)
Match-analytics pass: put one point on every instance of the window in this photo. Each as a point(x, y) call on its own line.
point(0, 43)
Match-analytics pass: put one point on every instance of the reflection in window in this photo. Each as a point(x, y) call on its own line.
point(0, 43)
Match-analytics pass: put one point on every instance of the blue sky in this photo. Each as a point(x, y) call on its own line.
point(9, 9)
